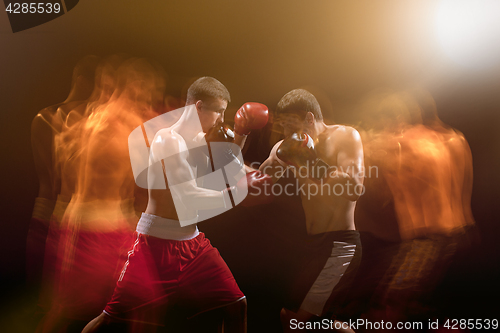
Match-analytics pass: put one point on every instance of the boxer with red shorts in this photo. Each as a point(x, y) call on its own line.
point(46, 125)
point(172, 267)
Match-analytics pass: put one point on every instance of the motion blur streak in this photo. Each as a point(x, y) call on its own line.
point(425, 178)
point(89, 240)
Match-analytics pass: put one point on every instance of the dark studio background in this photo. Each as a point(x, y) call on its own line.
point(260, 50)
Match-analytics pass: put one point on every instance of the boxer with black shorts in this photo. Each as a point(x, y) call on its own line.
point(328, 165)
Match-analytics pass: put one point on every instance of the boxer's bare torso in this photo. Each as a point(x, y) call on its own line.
point(160, 201)
point(172, 147)
point(327, 208)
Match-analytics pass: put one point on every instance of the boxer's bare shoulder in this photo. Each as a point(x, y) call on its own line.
point(42, 144)
point(341, 146)
point(166, 143)
point(42, 122)
point(337, 135)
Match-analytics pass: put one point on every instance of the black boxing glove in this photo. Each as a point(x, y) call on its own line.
point(298, 150)
point(222, 150)
point(221, 132)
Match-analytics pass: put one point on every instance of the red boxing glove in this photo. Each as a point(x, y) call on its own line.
point(259, 189)
point(249, 117)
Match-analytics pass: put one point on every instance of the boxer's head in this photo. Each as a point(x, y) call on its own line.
point(297, 111)
point(211, 98)
point(139, 83)
point(82, 82)
point(106, 78)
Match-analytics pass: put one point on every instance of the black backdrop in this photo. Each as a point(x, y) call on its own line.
point(259, 50)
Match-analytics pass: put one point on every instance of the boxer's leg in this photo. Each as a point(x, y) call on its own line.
point(235, 316)
point(209, 286)
point(35, 244)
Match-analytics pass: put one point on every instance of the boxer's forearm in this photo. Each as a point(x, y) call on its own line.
point(240, 140)
point(198, 198)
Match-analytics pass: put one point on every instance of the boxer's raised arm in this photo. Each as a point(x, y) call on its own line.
point(170, 150)
point(350, 163)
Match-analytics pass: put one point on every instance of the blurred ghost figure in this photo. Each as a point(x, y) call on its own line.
point(385, 116)
point(67, 152)
point(423, 188)
point(100, 217)
point(432, 191)
point(46, 125)
point(460, 219)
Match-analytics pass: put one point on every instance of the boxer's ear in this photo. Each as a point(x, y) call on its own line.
point(39, 13)
point(199, 105)
point(309, 118)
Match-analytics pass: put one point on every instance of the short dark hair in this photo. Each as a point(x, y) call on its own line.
point(206, 88)
point(299, 101)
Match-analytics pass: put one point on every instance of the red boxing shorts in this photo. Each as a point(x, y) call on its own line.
point(162, 273)
point(89, 264)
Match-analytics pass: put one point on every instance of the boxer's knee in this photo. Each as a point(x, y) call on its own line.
point(286, 316)
point(283, 314)
point(236, 309)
